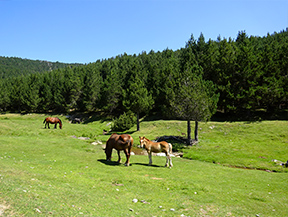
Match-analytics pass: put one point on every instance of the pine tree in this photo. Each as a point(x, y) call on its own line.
point(92, 84)
point(137, 98)
point(194, 99)
point(4, 94)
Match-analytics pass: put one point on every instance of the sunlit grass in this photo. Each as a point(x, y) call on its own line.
point(250, 145)
point(49, 172)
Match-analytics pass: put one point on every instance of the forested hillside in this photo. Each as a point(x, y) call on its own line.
point(13, 66)
point(250, 73)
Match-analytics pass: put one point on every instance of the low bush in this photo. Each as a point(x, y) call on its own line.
point(124, 122)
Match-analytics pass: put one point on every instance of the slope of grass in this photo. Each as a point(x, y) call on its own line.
point(49, 172)
point(240, 144)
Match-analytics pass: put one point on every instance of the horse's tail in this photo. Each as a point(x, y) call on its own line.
point(129, 141)
point(60, 123)
point(44, 121)
point(170, 148)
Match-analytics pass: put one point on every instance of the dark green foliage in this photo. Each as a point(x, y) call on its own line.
point(250, 73)
point(90, 88)
point(13, 66)
point(136, 97)
point(124, 122)
point(193, 99)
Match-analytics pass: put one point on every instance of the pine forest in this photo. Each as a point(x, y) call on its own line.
point(237, 76)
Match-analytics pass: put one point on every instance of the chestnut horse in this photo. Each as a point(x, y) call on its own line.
point(157, 147)
point(51, 120)
point(119, 142)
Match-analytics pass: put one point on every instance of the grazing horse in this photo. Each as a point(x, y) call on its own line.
point(119, 142)
point(157, 147)
point(51, 120)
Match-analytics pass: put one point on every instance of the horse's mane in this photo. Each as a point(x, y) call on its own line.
point(147, 139)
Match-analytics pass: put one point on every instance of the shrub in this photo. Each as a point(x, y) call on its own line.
point(124, 122)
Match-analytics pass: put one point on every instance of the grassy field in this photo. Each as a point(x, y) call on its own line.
point(52, 172)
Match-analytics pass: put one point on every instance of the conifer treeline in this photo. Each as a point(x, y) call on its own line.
point(14, 66)
point(249, 72)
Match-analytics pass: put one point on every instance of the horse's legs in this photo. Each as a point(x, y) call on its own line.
point(55, 126)
point(119, 157)
point(127, 153)
point(171, 165)
point(169, 159)
point(48, 126)
point(150, 157)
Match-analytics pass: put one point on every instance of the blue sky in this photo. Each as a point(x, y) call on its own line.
point(84, 31)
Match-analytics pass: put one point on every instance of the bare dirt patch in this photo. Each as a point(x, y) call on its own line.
point(3, 208)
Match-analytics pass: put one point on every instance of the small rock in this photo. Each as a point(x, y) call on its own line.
point(83, 138)
point(131, 210)
point(97, 143)
point(38, 210)
point(119, 184)
point(172, 209)
point(134, 200)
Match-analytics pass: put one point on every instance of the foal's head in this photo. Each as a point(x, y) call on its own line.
point(142, 141)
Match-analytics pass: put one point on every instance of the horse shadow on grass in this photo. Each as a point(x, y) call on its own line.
point(115, 163)
point(147, 165)
point(110, 163)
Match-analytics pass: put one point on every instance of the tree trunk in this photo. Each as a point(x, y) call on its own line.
point(189, 140)
point(196, 131)
point(138, 124)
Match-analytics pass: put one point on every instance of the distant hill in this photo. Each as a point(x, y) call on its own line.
point(14, 66)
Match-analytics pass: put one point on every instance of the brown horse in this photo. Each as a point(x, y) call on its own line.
point(51, 120)
point(157, 147)
point(119, 142)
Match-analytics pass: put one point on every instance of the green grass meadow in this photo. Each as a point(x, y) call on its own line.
point(230, 172)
